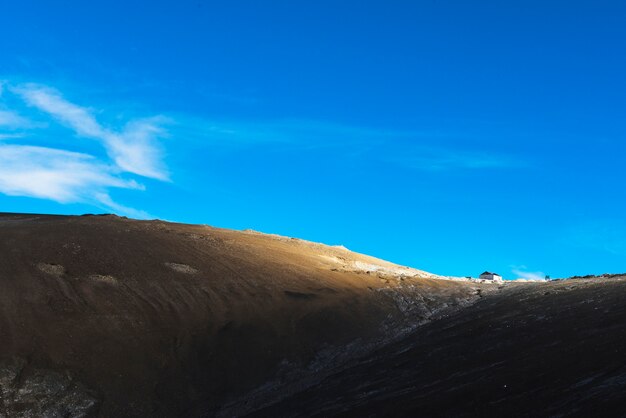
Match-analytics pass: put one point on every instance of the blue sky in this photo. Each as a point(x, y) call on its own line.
point(450, 136)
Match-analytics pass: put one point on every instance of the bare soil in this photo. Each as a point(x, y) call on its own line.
point(103, 316)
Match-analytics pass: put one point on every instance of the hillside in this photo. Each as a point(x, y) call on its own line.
point(106, 316)
point(549, 350)
point(102, 316)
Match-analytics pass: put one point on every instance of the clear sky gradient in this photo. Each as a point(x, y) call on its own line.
point(451, 136)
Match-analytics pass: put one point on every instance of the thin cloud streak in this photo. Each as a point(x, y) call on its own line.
point(11, 120)
point(530, 276)
point(602, 235)
point(106, 200)
point(11, 136)
point(430, 159)
point(294, 131)
point(418, 150)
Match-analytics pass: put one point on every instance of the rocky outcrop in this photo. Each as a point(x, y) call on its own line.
point(33, 392)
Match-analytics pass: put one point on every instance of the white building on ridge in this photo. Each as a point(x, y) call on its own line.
point(495, 277)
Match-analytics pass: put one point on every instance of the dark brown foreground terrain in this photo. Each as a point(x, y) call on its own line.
point(548, 350)
point(110, 317)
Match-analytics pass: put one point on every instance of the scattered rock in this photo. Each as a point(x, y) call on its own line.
point(27, 392)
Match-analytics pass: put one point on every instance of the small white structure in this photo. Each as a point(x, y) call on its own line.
point(494, 277)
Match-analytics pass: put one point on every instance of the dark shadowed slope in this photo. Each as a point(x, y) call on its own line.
point(105, 316)
point(554, 349)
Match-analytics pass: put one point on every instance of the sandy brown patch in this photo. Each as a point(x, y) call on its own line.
point(182, 268)
point(100, 278)
point(56, 270)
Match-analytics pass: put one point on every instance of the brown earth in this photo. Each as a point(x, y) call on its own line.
point(109, 317)
point(106, 316)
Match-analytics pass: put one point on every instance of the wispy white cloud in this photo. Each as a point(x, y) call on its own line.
point(57, 175)
point(12, 120)
point(64, 176)
point(11, 135)
point(134, 148)
point(531, 276)
point(106, 200)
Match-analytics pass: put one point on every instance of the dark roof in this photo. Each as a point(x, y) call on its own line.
point(487, 272)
